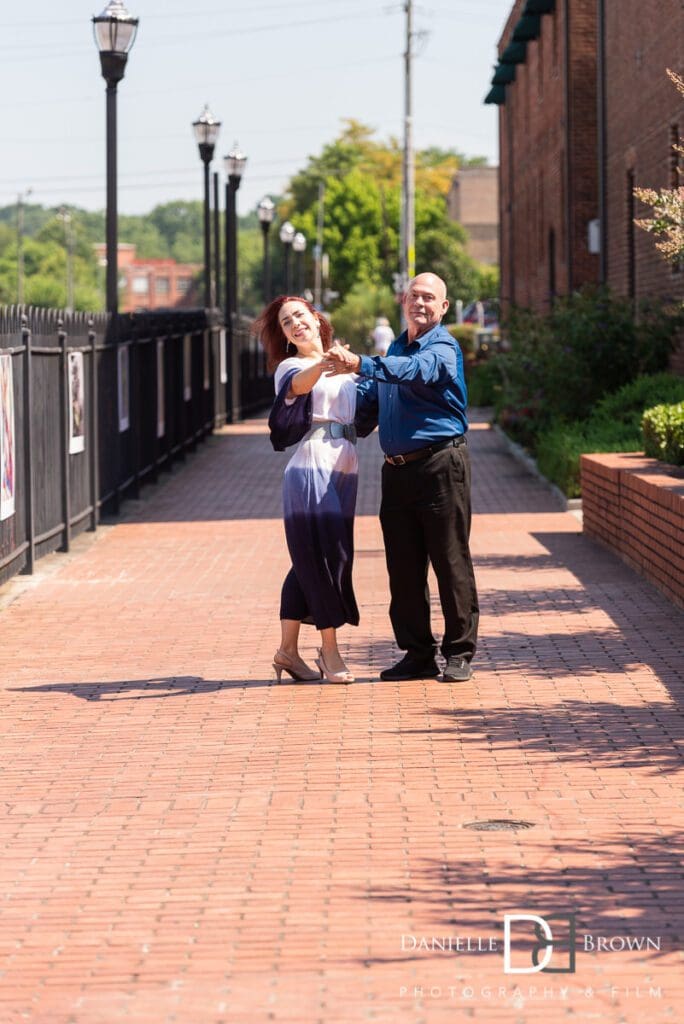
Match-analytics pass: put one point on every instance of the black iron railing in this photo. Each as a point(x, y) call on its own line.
point(91, 408)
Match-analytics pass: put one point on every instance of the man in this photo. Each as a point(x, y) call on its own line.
point(382, 335)
point(417, 395)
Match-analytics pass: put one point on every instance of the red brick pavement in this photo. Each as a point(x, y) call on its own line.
point(186, 841)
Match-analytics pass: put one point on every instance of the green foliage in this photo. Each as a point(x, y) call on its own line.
point(559, 450)
point(362, 178)
point(464, 335)
point(488, 281)
point(561, 364)
point(627, 405)
point(484, 382)
point(614, 426)
point(663, 433)
point(354, 319)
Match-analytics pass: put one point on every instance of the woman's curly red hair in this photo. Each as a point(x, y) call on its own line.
point(267, 327)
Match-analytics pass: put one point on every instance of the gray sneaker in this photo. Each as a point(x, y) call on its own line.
point(457, 670)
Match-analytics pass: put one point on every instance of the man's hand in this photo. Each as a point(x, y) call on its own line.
point(339, 359)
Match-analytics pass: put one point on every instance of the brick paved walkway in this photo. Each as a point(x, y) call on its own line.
point(186, 841)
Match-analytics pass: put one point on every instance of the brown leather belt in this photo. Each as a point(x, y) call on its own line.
point(424, 453)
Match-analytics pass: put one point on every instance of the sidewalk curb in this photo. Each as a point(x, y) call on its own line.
point(525, 459)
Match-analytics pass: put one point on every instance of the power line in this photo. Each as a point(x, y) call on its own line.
point(15, 54)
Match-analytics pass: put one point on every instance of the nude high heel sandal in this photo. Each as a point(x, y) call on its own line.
point(283, 663)
point(344, 676)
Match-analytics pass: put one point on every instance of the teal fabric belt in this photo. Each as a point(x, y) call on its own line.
point(331, 430)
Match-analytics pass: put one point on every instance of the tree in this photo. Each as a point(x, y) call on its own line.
point(362, 178)
point(355, 317)
point(667, 204)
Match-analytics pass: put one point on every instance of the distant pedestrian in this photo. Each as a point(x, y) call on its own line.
point(316, 413)
point(382, 335)
point(417, 396)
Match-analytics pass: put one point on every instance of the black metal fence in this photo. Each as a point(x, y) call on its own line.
point(91, 408)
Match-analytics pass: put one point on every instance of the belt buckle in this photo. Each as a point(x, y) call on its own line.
point(396, 460)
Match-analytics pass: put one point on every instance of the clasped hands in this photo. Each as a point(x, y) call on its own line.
point(339, 359)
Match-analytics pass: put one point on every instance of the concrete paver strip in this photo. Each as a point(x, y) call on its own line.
point(187, 841)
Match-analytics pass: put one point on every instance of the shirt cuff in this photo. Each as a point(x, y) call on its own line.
point(366, 367)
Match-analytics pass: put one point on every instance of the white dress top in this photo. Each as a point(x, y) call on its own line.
point(334, 398)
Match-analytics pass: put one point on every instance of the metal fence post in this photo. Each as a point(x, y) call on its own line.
point(28, 448)
point(66, 413)
point(94, 430)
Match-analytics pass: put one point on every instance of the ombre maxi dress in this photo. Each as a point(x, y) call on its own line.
point(319, 499)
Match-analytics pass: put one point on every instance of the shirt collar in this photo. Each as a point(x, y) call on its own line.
point(403, 337)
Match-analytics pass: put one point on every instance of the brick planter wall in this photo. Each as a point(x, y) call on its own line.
point(635, 506)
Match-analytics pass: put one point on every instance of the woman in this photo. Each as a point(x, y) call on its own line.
point(319, 489)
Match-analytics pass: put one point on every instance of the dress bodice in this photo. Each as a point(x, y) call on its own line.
point(334, 398)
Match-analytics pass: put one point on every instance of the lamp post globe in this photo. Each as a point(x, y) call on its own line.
point(299, 246)
point(114, 31)
point(234, 164)
point(206, 129)
point(287, 233)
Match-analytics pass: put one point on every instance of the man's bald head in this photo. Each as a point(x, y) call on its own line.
point(425, 303)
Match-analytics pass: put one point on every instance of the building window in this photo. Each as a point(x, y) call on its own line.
point(161, 285)
point(183, 285)
point(631, 240)
point(140, 285)
point(552, 266)
point(675, 179)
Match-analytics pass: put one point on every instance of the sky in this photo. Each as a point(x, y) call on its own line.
point(281, 75)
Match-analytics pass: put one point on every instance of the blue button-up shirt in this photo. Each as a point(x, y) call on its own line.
point(416, 394)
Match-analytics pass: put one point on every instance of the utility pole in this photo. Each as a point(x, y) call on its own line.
point(65, 217)
point(408, 253)
point(20, 245)
point(318, 251)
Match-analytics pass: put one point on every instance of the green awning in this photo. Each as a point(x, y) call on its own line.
point(497, 94)
point(527, 28)
point(539, 7)
point(514, 54)
point(503, 74)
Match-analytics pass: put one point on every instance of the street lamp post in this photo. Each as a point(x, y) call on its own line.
point(115, 30)
point(266, 211)
point(287, 233)
point(234, 164)
point(206, 129)
point(299, 246)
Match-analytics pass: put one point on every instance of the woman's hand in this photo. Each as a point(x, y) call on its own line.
point(339, 359)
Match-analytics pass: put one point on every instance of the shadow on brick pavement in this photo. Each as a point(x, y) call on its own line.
point(187, 841)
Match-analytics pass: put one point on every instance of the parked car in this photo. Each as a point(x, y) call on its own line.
point(490, 312)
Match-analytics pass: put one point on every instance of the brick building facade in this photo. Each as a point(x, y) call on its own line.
point(644, 117)
point(548, 147)
point(473, 202)
point(587, 113)
point(152, 284)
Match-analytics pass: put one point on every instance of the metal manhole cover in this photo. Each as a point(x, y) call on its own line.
point(498, 825)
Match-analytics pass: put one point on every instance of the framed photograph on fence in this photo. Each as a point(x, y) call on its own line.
point(223, 358)
point(7, 441)
point(187, 367)
point(124, 388)
point(205, 361)
point(76, 403)
point(161, 391)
